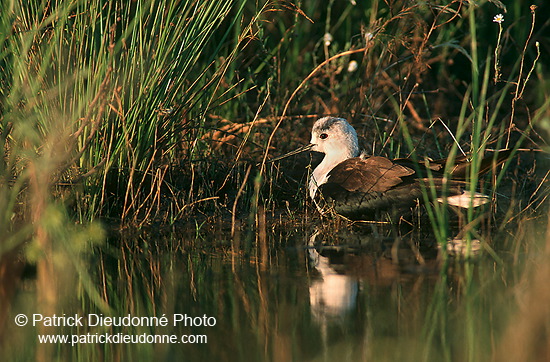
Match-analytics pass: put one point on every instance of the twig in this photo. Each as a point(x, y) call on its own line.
point(518, 94)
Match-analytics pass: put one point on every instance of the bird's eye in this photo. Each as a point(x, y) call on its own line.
point(323, 136)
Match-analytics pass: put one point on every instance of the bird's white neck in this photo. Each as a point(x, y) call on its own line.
point(331, 159)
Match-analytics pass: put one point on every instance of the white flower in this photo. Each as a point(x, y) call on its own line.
point(499, 18)
point(352, 66)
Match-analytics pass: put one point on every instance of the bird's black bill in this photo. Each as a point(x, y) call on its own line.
point(291, 153)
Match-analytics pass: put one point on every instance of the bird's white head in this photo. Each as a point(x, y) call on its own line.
point(337, 139)
point(334, 137)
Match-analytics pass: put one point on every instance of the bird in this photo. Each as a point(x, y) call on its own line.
point(357, 186)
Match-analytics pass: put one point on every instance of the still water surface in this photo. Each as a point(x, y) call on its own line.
point(288, 293)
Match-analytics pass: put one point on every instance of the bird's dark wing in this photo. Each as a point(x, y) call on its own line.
point(372, 174)
point(361, 187)
point(460, 164)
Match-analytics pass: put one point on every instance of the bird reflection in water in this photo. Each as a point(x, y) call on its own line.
point(334, 293)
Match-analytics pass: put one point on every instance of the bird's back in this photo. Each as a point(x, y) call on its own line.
point(362, 187)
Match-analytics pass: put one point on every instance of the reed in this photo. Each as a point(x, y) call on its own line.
point(156, 99)
point(98, 100)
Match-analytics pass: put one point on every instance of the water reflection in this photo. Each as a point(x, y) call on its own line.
point(286, 294)
point(333, 294)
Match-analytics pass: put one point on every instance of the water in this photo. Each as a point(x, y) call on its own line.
point(288, 293)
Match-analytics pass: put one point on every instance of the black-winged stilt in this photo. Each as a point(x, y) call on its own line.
point(357, 186)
